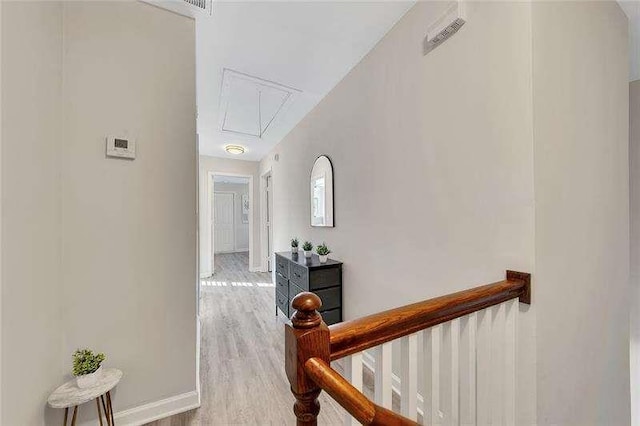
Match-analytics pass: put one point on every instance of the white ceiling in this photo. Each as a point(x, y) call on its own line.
point(632, 9)
point(300, 50)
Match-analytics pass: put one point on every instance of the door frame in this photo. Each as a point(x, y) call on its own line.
point(264, 238)
point(210, 188)
point(233, 205)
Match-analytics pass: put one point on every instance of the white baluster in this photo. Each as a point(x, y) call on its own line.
point(409, 376)
point(511, 338)
point(432, 339)
point(497, 364)
point(353, 373)
point(454, 374)
point(468, 369)
point(383, 375)
point(483, 367)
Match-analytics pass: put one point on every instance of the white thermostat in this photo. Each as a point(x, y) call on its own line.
point(121, 147)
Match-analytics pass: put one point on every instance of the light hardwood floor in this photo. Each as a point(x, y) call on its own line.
point(242, 353)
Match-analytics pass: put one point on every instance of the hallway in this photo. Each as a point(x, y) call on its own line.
point(242, 353)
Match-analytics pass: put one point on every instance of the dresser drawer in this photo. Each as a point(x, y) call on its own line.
point(298, 275)
point(282, 302)
point(282, 266)
point(331, 297)
point(327, 277)
point(331, 317)
point(294, 290)
point(282, 284)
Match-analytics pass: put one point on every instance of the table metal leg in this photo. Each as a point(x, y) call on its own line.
point(106, 411)
point(66, 416)
point(113, 421)
point(99, 410)
point(75, 414)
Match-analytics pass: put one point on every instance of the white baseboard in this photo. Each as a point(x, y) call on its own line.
point(157, 410)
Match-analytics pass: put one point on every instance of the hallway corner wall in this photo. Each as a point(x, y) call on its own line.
point(634, 181)
point(33, 357)
point(581, 279)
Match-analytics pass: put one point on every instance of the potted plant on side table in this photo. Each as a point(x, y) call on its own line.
point(307, 247)
point(87, 367)
point(294, 245)
point(323, 252)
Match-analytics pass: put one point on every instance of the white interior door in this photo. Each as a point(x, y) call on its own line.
point(223, 225)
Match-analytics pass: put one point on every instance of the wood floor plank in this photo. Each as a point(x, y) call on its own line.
point(242, 375)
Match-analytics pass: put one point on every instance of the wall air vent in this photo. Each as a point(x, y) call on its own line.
point(451, 21)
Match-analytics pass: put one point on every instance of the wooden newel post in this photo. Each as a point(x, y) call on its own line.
point(307, 337)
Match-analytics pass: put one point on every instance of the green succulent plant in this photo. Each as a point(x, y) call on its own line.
point(307, 246)
point(86, 362)
point(323, 250)
point(294, 242)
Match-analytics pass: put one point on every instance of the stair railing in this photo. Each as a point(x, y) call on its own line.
point(489, 315)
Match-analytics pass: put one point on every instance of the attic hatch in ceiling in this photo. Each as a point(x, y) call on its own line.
point(250, 105)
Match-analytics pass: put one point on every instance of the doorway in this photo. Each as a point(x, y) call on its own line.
point(230, 216)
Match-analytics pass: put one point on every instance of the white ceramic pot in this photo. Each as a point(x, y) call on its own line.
point(89, 380)
point(307, 253)
point(323, 258)
point(294, 249)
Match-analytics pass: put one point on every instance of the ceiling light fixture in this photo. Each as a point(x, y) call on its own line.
point(234, 149)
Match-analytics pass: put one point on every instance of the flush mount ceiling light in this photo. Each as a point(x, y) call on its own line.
point(234, 149)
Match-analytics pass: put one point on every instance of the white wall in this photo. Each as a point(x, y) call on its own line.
point(97, 252)
point(129, 227)
point(241, 230)
point(581, 290)
point(634, 173)
point(33, 358)
point(433, 166)
point(470, 140)
point(234, 167)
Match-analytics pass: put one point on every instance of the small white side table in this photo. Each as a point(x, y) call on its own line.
point(69, 395)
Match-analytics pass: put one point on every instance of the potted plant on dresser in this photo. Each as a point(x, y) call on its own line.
point(87, 367)
point(323, 252)
point(307, 247)
point(294, 245)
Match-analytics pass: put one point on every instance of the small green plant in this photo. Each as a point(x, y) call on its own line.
point(323, 250)
point(86, 362)
point(307, 246)
point(294, 242)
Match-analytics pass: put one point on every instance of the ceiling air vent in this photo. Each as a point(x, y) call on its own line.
point(451, 21)
point(191, 8)
point(201, 4)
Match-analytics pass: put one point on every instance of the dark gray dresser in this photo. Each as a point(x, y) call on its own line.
point(295, 274)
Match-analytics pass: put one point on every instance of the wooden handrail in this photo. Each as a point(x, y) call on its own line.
point(355, 336)
point(310, 345)
point(350, 398)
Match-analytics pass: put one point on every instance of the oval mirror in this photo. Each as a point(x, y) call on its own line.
point(322, 192)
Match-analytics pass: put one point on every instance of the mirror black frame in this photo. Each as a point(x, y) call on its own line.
point(333, 216)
